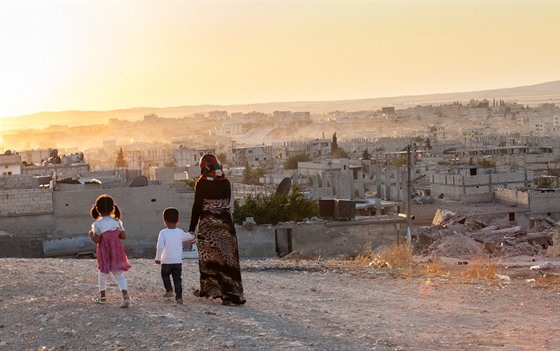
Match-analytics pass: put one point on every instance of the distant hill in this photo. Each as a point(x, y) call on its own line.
point(526, 95)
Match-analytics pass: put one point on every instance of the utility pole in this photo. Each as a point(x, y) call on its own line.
point(408, 192)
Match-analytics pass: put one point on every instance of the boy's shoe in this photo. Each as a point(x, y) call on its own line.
point(168, 294)
point(125, 302)
point(179, 301)
point(100, 300)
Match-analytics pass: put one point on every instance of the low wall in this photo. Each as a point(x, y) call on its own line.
point(62, 171)
point(66, 214)
point(325, 238)
point(142, 209)
point(256, 241)
point(475, 198)
point(23, 202)
point(545, 203)
point(22, 236)
point(17, 181)
point(512, 197)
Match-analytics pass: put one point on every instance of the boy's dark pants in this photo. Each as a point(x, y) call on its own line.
point(175, 271)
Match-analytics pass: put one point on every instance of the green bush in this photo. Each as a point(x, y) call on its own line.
point(292, 161)
point(275, 208)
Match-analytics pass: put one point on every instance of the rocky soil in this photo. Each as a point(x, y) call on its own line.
point(46, 304)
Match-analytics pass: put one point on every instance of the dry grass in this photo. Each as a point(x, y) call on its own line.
point(395, 256)
point(399, 256)
point(480, 268)
point(434, 267)
point(399, 260)
point(549, 281)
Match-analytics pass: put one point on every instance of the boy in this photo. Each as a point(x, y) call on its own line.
point(169, 253)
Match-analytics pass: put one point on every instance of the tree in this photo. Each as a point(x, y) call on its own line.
point(334, 144)
point(252, 176)
point(484, 163)
point(401, 161)
point(222, 157)
point(336, 151)
point(292, 161)
point(543, 182)
point(121, 162)
point(366, 155)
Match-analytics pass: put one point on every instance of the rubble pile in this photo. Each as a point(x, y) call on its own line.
point(464, 235)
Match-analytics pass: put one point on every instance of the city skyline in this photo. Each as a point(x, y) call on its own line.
point(98, 55)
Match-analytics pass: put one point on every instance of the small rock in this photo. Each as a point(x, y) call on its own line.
point(230, 344)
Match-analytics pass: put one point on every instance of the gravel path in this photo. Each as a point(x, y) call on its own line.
point(46, 305)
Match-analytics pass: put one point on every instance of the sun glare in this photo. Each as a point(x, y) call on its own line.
point(88, 55)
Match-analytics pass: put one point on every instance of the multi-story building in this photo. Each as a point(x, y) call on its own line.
point(254, 156)
point(319, 148)
point(190, 156)
point(218, 115)
point(436, 132)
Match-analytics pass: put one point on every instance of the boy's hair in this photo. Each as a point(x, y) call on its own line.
point(171, 215)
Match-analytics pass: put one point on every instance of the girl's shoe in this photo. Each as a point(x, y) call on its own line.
point(168, 294)
point(125, 302)
point(100, 300)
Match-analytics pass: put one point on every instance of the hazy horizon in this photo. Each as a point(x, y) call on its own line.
point(283, 102)
point(101, 56)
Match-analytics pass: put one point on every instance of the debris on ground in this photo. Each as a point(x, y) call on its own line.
point(454, 234)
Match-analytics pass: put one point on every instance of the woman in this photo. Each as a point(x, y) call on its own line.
point(220, 275)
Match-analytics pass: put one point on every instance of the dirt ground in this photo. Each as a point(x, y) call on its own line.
point(46, 304)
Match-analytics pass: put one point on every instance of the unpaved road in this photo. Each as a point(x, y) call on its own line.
point(46, 305)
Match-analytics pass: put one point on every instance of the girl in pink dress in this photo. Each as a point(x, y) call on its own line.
point(107, 232)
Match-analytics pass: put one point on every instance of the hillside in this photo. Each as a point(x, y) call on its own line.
point(527, 95)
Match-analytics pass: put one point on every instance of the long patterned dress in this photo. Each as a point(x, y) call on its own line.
point(220, 273)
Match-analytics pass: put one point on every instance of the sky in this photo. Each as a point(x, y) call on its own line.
point(105, 55)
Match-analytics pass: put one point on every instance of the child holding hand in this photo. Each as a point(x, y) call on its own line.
point(169, 253)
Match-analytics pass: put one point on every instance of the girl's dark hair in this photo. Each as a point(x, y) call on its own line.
point(104, 206)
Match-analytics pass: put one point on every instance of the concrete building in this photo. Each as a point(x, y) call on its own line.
point(169, 175)
point(218, 115)
point(282, 118)
point(319, 148)
point(10, 164)
point(190, 156)
point(539, 202)
point(436, 132)
point(472, 184)
point(255, 156)
point(283, 150)
point(35, 157)
point(336, 178)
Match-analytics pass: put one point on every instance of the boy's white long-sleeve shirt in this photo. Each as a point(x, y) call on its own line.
point(169, 249)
